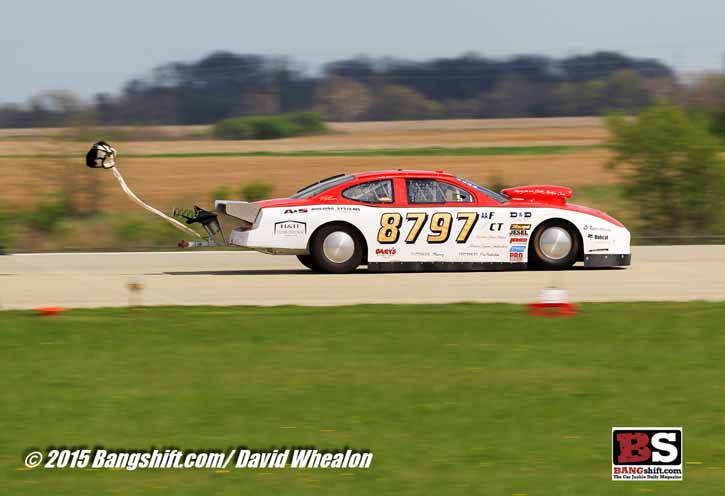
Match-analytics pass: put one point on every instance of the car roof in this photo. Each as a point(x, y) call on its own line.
point(382, 174)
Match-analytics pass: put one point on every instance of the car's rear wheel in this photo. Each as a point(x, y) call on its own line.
point(337, 248)
point(308, 262)
point(554, 245)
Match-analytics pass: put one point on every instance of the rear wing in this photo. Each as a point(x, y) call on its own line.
point(240, 209)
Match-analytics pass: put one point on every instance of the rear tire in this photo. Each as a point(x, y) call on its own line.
point(554, 245)
point(337, 249)
point(308, 262)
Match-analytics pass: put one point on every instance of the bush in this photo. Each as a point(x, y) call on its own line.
point(47, 214)
point(309, 122)
point(717, 125)
point(221, 193)
point(6, 233)
point(256, 191)
point(129, 230)
point(269, 127)
point(233, 129)
point(274, 127)
point(673, 174)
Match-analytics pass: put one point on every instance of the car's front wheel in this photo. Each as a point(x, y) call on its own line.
point(554, 245)
point(337, 248)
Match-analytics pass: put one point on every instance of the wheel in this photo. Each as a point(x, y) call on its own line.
point(554, 245)
point(337, 249)
point(308, 262)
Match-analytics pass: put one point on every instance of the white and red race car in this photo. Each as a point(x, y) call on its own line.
point(403, 220)
point(415, 220)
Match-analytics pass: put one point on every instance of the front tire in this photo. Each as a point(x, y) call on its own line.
point(554, 245)
point(337, 249)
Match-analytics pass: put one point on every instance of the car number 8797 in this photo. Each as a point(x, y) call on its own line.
point(439, 226)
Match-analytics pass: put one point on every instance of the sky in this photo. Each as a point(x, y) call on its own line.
point(91, 46)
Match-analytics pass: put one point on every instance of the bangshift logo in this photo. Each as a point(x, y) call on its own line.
point(647, 453)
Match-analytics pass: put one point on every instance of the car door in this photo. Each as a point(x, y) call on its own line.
point(439, 220)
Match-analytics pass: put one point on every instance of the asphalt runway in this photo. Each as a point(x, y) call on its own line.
point(674, 273)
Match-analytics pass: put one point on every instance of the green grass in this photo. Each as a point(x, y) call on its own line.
point(372, 152)
point(451, 399)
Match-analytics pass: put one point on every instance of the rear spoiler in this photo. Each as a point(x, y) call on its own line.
point(543, 193)
point(240, 209)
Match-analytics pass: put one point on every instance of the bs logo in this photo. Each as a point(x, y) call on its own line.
point(647, 446)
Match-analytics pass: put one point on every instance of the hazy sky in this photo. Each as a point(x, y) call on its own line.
point(90, 46)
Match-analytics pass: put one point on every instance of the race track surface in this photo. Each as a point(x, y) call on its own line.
point(675, 273)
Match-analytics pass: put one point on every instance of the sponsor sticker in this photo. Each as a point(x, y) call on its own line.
point(355, 210)
point(519, 229)
point(290, 228)
point(589, 227)
point(647, 453)
point(598, 237)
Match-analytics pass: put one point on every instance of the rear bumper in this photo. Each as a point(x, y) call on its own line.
point(247, 239)
point(607, 260)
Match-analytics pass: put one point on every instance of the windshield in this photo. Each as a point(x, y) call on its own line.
point(320, 186)
point(492, 194)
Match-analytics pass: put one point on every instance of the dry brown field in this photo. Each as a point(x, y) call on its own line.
point(166, 182)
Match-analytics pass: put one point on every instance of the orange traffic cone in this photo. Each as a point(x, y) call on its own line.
point(49, 311)
point(553, 302)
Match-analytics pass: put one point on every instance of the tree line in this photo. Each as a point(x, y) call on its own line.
point(223, 85)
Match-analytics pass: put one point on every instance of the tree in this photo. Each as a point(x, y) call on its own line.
point(672, 171)
point(625, 92)
point(342, 99)
point(397, 102)
point(708, 93)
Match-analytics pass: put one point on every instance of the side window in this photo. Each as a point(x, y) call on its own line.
point(371, 192)
point(433, 191)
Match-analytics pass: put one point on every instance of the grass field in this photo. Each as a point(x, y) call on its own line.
point(451, 399)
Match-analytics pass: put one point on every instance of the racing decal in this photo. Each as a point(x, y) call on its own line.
point(295, 211)
point(470, 222)
point(495, 226)
point(520, 229)
point(589, 227)
point(419, 219)
point(439, 227)
point(598, 237)
point(389, 228)
point(290, 228)
point(386, 252)
point(348, 210)
point(516, 253)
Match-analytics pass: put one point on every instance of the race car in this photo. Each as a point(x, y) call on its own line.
point(407, 220)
